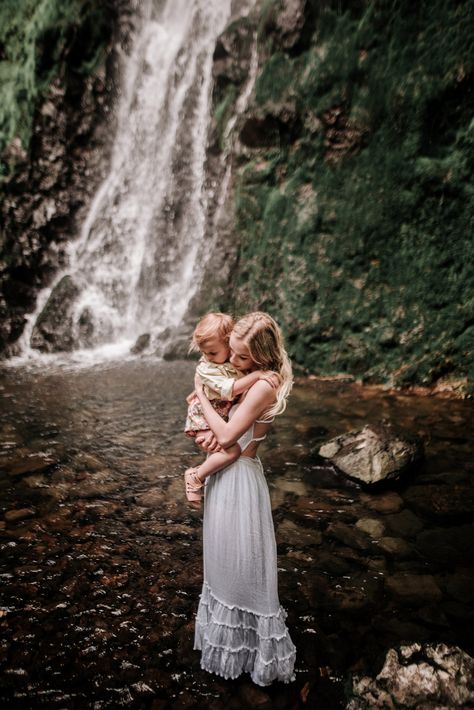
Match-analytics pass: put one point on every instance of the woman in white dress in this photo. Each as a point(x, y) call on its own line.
point(240, 625)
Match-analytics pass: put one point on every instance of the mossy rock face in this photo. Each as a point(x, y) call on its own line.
point(58, 69)
point(354, 203)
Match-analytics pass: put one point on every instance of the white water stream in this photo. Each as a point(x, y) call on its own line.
point(135, 260)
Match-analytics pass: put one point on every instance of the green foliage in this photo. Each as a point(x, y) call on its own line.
point(36, 37)
point(224, 110)
point(370, 257)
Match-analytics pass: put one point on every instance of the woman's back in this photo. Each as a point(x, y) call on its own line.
point(250, 439)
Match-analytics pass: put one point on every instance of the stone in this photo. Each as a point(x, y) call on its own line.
point(442, 501)
point(374, 454)
point(438, 675)
point(12, 516)
point(413, 588)
point(460, 586)
point(395, 546)
point(292, 534)
point(371, 526)
point(447, 545)
point(350, 536)
point(405, 523)
point(141, 344)
point(254, 697)
point(384, 503)
point(174, 343)
point(35, 463)
point(53, 330)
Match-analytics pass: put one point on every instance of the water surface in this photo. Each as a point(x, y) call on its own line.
point(101, 557)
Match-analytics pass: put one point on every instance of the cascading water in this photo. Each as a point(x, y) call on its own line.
point(133, 269)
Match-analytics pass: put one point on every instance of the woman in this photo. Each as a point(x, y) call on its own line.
point(240, 625)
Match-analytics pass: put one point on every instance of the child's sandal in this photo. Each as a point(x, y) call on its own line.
point(194, 485)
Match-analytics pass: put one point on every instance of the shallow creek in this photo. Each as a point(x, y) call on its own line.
point(101, 556)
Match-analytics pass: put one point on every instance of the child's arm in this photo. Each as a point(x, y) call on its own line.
point(244, 383)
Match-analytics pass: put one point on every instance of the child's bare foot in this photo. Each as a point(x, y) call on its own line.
point(194, 487)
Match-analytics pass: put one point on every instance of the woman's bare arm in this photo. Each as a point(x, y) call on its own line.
point(257, 400)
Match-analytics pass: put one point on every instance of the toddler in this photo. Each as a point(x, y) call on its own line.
point(222, 382)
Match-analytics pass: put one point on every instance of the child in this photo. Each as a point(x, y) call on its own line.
point(222, 382)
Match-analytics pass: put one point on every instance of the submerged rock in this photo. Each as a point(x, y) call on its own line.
point(373, 454)
point(431, 676)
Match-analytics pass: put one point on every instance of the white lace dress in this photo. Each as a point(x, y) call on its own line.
point(240, 625)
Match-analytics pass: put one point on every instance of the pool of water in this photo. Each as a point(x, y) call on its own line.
point(101, 557)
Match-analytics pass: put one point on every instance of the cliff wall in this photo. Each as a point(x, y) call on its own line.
point(354, 195)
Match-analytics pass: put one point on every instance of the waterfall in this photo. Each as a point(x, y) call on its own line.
point(134, 267)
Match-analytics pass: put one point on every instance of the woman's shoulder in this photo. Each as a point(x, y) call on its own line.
point(262, 391)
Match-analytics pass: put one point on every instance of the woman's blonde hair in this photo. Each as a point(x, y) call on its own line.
point(264, 340)
point(212, 325)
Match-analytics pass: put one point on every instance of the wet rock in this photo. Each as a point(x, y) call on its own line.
point(413, 588)
point(405, 523)
point(35, 463)
point(254, 697)
point(371, 526)
point(174, 344)
point(374, 454)
point(460, 586)
point(332, 564)
point(153, 498)
point(442, 501)
point(395, 546)
point(232, 55)
point(290, 22)
point(260, 132)
point(384, 503)
point(141, 344)
point(292, 534)
point(447, 545)
point(352, 595)
point(12, 516)
point(428, 676)
point(350, 536)
point(53, 330)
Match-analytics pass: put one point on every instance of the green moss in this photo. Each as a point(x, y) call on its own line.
point(224, 111)
point(37, 38)
point(369, 257)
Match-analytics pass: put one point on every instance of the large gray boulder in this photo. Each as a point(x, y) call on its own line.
point(373, 454)
point(424, 676)
point(53, 331)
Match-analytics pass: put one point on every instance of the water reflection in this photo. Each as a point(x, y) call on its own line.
point(101, 557)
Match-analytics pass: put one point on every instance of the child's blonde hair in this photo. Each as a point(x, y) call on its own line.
point(264, 340)
point(212, 325)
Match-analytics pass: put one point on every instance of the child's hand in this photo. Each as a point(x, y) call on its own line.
point(271, 377)
point(191, 397)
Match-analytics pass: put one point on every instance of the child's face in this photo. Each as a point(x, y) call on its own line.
point(215, 350)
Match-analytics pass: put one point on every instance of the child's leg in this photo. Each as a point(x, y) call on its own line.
point(218, 460)
point(194, 477)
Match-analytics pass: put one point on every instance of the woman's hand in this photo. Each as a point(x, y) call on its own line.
point(207, 442)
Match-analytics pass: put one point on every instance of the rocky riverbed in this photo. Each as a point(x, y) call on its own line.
point(101, 557)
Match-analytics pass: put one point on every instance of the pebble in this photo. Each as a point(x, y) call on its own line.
point(395, 546)
point(374, 528)
point(383, 503)
point(12, 516)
